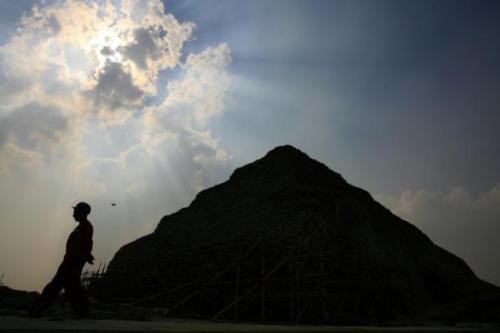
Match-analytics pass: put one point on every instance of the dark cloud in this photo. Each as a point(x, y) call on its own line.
point(141, 48)
point(115, 87)
point(107, 51)
point(32, 126)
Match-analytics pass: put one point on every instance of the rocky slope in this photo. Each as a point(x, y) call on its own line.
point(13, 299)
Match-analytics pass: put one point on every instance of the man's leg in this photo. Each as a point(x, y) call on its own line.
point(77, 299)
point(75, 293)
point(49, 294)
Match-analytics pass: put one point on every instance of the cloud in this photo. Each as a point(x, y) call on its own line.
point(464, 224)
point(115, 88)
point(98, 62)
point(193, 99)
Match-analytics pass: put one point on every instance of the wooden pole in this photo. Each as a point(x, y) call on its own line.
point(324, 304)
point(250, 290)
point(297, 283)
point(237, 292)
point(262, 290)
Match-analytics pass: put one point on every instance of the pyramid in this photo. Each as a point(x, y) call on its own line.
point(286, 239)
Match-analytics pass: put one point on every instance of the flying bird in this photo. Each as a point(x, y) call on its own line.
point(113, 204)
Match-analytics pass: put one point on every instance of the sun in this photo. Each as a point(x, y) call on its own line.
point(106, 45)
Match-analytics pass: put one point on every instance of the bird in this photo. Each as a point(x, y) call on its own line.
point(113, 204)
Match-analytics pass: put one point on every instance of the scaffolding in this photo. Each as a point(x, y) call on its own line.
point(90, 276)
point(299, 278)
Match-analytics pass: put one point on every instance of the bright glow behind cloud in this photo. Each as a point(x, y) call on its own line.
point(80, 108)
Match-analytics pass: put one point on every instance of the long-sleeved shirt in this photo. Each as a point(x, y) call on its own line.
point(79, 244)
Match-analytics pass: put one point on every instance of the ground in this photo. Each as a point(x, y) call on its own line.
point(20, 324)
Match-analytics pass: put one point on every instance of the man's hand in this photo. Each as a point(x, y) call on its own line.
point(90, 259)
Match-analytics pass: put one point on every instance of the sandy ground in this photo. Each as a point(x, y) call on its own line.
point(20, 324)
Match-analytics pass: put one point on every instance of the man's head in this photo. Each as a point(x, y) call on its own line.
point(80, 211)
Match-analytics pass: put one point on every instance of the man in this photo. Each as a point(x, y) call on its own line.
point(78, 252)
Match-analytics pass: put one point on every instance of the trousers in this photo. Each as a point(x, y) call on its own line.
point(68, 278)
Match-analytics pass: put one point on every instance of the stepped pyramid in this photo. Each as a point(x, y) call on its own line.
point(286, 239)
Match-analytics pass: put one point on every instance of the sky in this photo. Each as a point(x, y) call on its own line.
point(145, 103)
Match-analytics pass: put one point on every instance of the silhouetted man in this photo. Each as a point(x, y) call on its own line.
point(78, 252)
